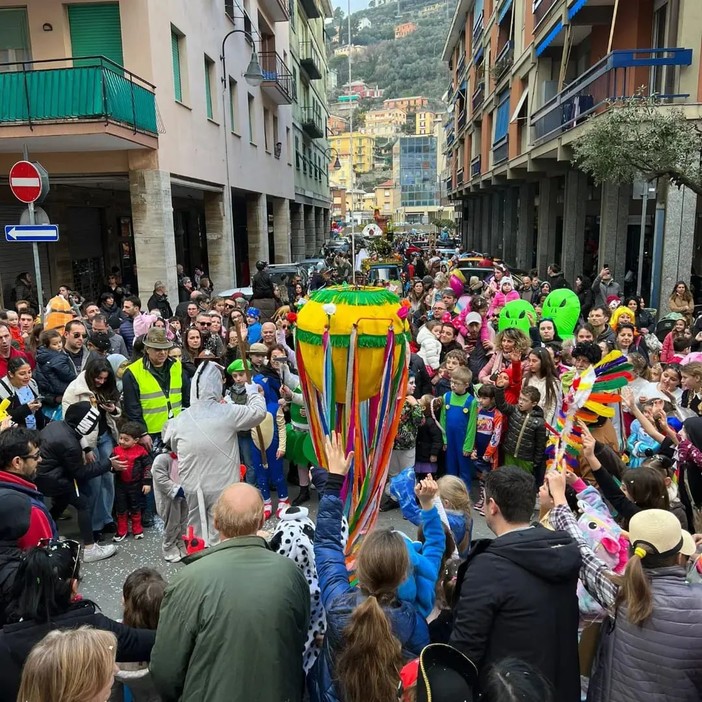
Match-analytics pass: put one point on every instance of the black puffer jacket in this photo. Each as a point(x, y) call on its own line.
point(62, 457)
point(262, 286)
point(526, 433)
point(54, 373)
point(15, 513)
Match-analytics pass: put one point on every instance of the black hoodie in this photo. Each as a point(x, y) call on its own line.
point(516, 597)
point(15, 514)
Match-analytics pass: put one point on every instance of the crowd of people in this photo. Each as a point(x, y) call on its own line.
point(125, 413)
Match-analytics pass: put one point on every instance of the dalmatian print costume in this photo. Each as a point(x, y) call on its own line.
point(294, 538)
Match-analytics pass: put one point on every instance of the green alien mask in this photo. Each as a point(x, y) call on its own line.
point(517, 314)
point(563, 307)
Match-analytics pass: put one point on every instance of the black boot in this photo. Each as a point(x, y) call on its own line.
point(302, 496)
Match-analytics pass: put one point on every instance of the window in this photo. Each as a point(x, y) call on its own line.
point(502, 116)
point(252, 127)
point(294, 84)
point(297, 152)
point(287, 144)
point(209, 78)
point(176, 41)
point(229, 9)
point(266, 129)
point(276, 139)
point(95, 31)
point(233, 105)
point(14, 38)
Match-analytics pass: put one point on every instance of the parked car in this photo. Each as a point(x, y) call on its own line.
point(383, 271)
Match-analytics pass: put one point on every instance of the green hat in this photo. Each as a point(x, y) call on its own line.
point(237, 366)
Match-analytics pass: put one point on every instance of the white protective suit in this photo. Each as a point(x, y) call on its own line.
point(204, 437)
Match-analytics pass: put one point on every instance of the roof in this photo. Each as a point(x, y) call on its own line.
point(387, 184)
point(458, 23)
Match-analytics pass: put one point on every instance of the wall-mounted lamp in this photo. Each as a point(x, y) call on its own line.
point(47, 27)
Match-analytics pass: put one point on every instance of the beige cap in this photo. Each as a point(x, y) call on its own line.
point(659, 531)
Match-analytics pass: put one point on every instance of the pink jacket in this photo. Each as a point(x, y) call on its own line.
point(500, 300)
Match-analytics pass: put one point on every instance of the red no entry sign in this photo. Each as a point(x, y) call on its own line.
point(25, 181)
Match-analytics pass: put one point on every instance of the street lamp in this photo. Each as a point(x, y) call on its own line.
point(332, 153)
point(253, 74)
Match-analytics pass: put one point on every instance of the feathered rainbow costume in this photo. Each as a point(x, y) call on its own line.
point(590, 396)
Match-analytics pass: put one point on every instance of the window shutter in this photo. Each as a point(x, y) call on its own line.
point(175, 52)
point(96, 30)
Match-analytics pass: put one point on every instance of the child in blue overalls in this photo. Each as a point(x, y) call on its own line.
point(459, 419)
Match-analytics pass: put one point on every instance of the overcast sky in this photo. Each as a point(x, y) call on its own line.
point(355, 5)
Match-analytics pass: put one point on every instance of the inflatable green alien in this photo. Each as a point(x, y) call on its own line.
point(517, 314)
point(563, 307)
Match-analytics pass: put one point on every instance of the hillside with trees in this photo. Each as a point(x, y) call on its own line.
point(402, 67)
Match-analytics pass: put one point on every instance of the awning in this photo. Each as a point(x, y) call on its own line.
point(546, 41)
point(520, 106)
point(575, 8)
point(504, 10)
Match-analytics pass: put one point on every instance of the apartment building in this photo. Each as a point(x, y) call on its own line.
point(158, 151)
point(424, 122)
point(384, 122)
point(338, 197)
point(336, 125)
point(310, 211)
point(405, 29)
point(352, 164)
point(525, 76)
point(408, 104)
point(387, 199)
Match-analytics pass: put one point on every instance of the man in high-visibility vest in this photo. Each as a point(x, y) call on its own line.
point(155, 387)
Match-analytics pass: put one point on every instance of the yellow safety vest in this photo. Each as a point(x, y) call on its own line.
point(156, 406)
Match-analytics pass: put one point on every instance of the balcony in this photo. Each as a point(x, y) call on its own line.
point(459, 177)
point(312, 122)
point(478, 97)
point(461, 66)
point(310, 60)
point(91, 107)
point(461, 120)
point(503, 62)
point(276, 10)
point(540, 9)
point(311, 9)
point(475, 165)
point(277, 79)
point(612, 78)
point(500, 151)
point(478, 28)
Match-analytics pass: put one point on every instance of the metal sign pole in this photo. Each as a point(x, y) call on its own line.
point(35, 252)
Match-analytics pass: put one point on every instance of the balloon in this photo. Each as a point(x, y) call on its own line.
point(517, 314)
point(374, 311)
point(563, 307)
point(457, 282)
point(59, 313)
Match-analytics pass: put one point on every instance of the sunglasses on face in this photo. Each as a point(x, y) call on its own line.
point(205, 324)
point(78, 335)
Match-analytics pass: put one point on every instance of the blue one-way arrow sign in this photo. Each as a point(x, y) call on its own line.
point(31, 232)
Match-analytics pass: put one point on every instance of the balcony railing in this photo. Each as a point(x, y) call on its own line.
point(500, 152)
point(504, 61)
point(459, 177)
point(461, 120)
point(478, 27)
point(33, 93)
point(312, 122)
point(461, 65)
point(277, 80)
point(611, 78)
point(475, 165)
point(310, 60)
point(449, 184)
point(478, 97)
point(540, 9)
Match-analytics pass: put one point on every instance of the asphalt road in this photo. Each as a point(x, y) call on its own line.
point(102, 581)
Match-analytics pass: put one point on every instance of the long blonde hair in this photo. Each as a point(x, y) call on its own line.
point(368, 666)
point(454, 496)
point(69, 666)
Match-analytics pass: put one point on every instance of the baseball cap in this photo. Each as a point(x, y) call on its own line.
point(659, 531)
point(473, 318)
point(237, 366)
point(258, 348)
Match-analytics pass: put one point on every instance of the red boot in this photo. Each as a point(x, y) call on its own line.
point(122, 528)
point(137, 529)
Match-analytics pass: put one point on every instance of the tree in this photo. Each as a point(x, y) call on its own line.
point(641, 138)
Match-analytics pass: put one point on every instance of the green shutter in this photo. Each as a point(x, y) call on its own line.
point(175, 52)
point(96, 30)
point(14, 35)
point(208, 88)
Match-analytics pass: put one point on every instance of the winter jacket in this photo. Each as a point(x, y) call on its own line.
point(419, 588)
point(340, 598)
point(78, 391)
point(62, 461)
point(160, 303)
point(232, 627)
point(17, 640)
point(558, 281)
point(586, 297)
point(526, 433)
point(54, 373)
point(421, 376)
point(40, 524)
point(601, 290)
point(430, 441)
point(516, 597)
point(429, 347)
point(18, 410)
point(117, 344)
point(500, 300)
point(262, 286)
point(126, 331)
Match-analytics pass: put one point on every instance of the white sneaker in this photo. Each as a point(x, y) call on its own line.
point(172, 557)
point(98, 552)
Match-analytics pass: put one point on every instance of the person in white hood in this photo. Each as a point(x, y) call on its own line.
point(204, 437)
